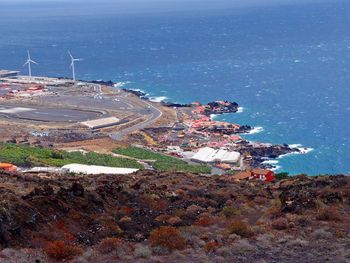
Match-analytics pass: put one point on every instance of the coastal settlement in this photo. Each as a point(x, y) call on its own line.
point(99, 116)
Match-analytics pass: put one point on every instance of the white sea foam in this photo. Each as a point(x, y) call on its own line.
point(119, 85)
point(297, 145)
point(139, 90)
point(158, 99)
point(272, 162)
point(256, 130)
point(240, 109)
point(301, 148)
point(213, 116)
point(305, 150)
point(276, 168)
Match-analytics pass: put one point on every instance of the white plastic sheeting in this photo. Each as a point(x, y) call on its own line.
point(94, 169)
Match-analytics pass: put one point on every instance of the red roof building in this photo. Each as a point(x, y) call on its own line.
point(263, 175)
point(255, 174)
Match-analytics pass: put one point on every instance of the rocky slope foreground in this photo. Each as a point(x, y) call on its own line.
point(173, 217)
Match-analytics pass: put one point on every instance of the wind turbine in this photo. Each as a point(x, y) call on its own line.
point(29, 63)
point(72, 65)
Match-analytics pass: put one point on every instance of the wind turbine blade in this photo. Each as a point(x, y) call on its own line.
point(25, 64)
point(78, 59)
point(70, 54)
point(33, 62)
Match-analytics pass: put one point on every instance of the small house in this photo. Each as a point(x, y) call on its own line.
point(263, 175)
point(255, 174)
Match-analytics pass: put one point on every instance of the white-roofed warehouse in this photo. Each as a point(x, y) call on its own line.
point(210, 155)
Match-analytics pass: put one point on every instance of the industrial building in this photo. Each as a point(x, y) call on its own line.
point(37, 80)
point(101, 123)
point(8, 73)
point(210, 155)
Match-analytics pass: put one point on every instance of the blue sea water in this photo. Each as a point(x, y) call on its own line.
point(288, 66)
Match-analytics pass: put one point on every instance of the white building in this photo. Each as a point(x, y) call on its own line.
point(101, 123)
point(8, 73)
point(210, 155)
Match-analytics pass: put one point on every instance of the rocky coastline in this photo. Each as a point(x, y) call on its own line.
point(220, 107)
point(258, 153)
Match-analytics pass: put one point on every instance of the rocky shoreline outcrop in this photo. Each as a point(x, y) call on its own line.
point(262, 152)
point(220, 107)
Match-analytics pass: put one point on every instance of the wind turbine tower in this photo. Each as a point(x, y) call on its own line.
point(29, 63)
point(72, 65)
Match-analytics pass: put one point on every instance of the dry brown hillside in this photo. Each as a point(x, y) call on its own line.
point(173, 217)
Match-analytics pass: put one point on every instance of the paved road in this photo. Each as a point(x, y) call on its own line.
point(46, 114)
point(96, 101)
point(153, 114)
point(123, 103)
point(89, 102)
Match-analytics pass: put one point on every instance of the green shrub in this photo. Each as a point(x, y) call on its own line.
point(163, 162)
point(27, 156)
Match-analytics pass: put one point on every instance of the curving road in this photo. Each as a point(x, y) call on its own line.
point(154, 115)
point(73, 108)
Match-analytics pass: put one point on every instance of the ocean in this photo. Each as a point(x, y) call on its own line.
point(288, 66)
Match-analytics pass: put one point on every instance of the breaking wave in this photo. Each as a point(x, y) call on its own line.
point(240, 109)
point(256, 130)
point(276, 168)
point(272, 162)
point(158, 99)
point(301, 148)
point(120, 85)
point(213, 116)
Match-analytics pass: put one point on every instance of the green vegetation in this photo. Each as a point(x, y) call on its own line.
point(27, 156)
point(281, 176)
point(231, 172)
point(163, 162)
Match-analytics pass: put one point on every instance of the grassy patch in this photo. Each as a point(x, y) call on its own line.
point(27, 156)
point(163, 162)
